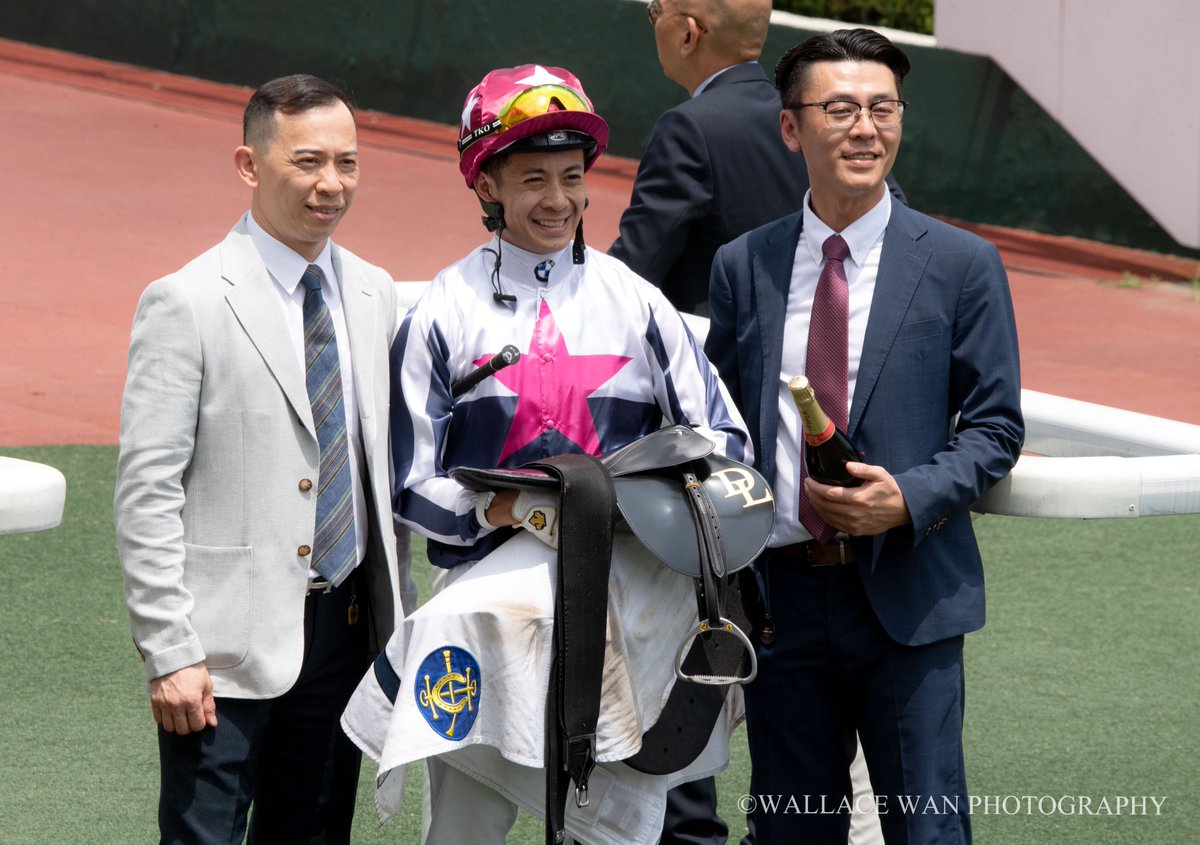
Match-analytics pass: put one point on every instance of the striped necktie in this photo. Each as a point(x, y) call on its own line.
point(335, 550)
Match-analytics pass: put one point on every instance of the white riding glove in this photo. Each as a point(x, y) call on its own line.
point(538, 514)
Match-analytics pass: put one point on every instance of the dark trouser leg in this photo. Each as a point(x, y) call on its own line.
point(206, 780)
point(910, 722)
point(833, 669)
point(308, 769)
point(691, 817)
point(287, 755)
point(798, 720)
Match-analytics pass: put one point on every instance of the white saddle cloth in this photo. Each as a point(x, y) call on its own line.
point(473, 666)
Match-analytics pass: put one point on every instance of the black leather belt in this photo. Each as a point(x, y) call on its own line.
point(837, 553)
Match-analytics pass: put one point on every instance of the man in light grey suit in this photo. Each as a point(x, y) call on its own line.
point(233, 491)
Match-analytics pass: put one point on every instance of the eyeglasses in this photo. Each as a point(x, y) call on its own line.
point(654, 11)
point(842, 114)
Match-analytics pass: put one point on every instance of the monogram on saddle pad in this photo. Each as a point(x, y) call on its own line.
point(704, 516)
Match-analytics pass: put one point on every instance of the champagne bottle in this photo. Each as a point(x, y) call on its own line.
point(826, 449)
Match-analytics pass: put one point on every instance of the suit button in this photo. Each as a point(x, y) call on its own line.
point(304, 551)
point(305, 485)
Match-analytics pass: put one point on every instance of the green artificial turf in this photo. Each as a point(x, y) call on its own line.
point(1086, 679)
point(1083, 684)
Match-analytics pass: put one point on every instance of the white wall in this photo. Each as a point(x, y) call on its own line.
point(1095, 65)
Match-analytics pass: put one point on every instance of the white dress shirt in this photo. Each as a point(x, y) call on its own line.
point(864, 237)
point(285, 267)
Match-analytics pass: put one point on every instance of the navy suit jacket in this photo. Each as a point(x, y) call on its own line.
point(940, 342)
point(715, 167)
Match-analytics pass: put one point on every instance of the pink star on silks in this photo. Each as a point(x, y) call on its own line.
point(553, 387)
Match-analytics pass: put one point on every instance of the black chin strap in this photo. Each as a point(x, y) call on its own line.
point(493, 221)
point(498, 294)
point(577, 249)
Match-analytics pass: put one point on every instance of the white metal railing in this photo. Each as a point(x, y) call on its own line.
point(1084, 461)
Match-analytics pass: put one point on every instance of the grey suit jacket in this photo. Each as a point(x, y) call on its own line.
point(216, 438)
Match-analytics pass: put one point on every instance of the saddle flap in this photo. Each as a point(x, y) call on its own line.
point(666, 447)
point(516, 478)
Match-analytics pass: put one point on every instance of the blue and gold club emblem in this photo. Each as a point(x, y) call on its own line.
point(447, 691)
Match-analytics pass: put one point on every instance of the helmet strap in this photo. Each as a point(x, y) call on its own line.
point(498, 294)
point(493, 215)
point(577, 247)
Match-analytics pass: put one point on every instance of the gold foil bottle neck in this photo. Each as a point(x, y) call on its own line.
point(817, 427)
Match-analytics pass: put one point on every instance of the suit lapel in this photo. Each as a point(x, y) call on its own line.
point(361, 309)
point(772, 278)
point(901, 267)
point(257, 309)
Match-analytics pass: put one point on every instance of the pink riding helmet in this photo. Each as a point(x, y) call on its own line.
point(511, 104)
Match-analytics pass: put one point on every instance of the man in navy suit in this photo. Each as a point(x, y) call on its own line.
point(865, 632)
point(714, 166)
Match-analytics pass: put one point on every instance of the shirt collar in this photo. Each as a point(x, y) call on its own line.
point(520, 266)
point(285, 265)
point(860, 236)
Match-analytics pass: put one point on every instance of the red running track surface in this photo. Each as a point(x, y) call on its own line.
point(119, 175)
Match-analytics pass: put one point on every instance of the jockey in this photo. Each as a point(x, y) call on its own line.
point(605, 360)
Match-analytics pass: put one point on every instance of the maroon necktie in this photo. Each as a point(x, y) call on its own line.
point(827, 361)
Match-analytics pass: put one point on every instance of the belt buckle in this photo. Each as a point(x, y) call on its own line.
point(319, 585)
point(841, 547)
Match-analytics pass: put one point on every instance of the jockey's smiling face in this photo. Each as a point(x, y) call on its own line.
point(542, 195)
